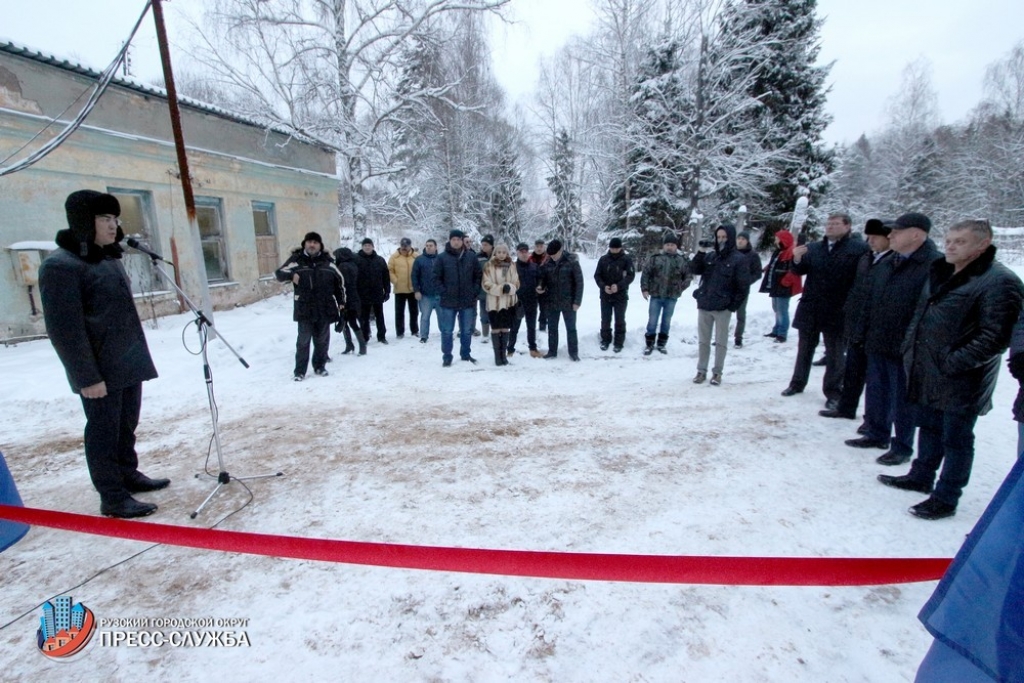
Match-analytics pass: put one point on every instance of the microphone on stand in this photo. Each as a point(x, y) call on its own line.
point(134, 244)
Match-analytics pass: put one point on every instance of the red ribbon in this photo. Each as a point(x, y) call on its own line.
point(689, 569)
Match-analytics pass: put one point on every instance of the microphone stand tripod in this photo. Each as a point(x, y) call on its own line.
point(203, 324)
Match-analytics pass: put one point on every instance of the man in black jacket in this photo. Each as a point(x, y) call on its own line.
point(561, 279)
point(459, 275)
point(349, 323)
point(614, 274)
point(962, 324)
point(319, 297)
point(95, 329)
point(527, 297)
point(831, 268)
point(374, 289)
point(725, 280)
point(891, 303)
point(858, 305)
point(744, 247)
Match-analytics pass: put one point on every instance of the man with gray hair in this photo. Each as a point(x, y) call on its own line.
point(962, 325)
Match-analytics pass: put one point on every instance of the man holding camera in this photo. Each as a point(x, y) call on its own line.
point(724, 283)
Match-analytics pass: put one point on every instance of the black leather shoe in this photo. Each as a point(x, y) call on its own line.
point(835, 412)
point(140, 483)
point(791, 391)
point(863, 429)
point(933, 508)
point(470, 359)
point(550, 355)
point(821, 362)
point(832, 404)
point(446, 363)
point(127, 508)
point(890, 458)
point(574, 357)
point(867, 442)
point(905, 482)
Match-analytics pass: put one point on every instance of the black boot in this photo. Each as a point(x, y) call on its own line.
point(503, 337)
point(349, 346)
point(662, 342)
point(649, 339)
point(496, 343)
point(362, 346)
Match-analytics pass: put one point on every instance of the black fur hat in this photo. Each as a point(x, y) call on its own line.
point(83, 206)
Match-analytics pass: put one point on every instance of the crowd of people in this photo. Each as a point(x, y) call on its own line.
point(917, 332)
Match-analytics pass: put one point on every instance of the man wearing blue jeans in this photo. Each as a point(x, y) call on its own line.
point(663, 280)
point(458, 274)
point(425, 288)
point(962, 324)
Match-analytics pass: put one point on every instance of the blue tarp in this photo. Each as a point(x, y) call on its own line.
point(977, 611)
point(10, 532)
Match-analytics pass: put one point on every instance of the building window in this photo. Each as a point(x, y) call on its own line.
point(211, 234)
point(266, 237)
point(137, 221)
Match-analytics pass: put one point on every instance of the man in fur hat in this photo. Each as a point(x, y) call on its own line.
point(318, 301)
point(93, 325)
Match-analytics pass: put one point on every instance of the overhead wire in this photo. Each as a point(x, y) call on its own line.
point(105, 78)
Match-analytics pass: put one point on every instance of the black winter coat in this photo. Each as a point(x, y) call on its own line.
point(771, 284)
point(893, 299)
point(528, 279)
point(962, 324)
point(320, 291)
point(858, 301)
point(725, 274)
point(753, 265)
point(830, 277)
point(346, 263)
point(562, 280)
point(374, 278)
point(615, 269)
point(91, 318)
point(459, 275)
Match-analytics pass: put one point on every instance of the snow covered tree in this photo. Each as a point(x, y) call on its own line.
point(506, 209)
point(567, 221)
point(792, 89)
point(322, 69)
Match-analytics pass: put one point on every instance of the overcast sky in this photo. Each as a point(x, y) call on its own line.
point(869, 40)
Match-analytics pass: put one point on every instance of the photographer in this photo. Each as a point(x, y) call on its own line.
point(724, 283)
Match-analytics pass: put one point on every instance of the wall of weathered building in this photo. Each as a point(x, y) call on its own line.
point(126, 145)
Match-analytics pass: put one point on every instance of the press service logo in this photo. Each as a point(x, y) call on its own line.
point(65, 628)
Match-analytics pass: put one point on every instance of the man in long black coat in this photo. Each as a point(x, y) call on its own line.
point(94, 327)
point(831, 267)
point(319, 298)
point(344, 259)
point(963, 323)
point(374, 289)
point(614, 274)
point(892, 301)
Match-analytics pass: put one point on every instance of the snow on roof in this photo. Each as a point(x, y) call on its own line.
point(36, 245)
point(21, 50)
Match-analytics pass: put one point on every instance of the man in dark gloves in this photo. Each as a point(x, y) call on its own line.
point(831, 267)
point(614, 274)
point(374, 289)
point(93, 325)
point(892, 300)
point(318, 301)
point(962, 324)
point(561, 278)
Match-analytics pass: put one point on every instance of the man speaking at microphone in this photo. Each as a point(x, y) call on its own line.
point(93, 325)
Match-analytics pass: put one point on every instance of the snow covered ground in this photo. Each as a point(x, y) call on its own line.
point(616, 454)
